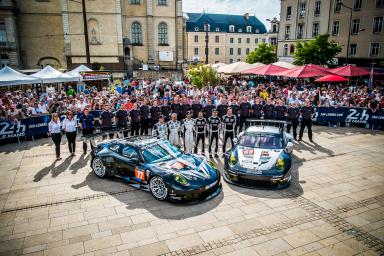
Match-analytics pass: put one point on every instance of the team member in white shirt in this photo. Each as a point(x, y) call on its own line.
point(70, 128)
point(54, 130)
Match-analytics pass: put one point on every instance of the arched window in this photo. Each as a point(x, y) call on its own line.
point(137, 34)
point(285, 49)
point(249, 29)
point(94, 32)
point(163, 34)
point(231, 28)
point(291, 49)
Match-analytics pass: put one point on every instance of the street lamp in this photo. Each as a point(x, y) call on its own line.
point(274, 20)
point(86, 39)
point(349, 28)
point(206, 26)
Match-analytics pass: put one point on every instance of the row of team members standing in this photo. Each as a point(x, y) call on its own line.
point(195, 130)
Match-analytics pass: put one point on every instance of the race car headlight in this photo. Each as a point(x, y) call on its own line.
point(280, 164)
point(180, 179)
point(232, 159)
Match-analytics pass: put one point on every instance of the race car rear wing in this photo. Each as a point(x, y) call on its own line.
point(266, 122)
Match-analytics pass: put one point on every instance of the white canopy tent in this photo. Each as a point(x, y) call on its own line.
point(218, 65)
point(235, 68)
point(9, 76)
point(51, 75)
point(284, 64)
point(76, 71)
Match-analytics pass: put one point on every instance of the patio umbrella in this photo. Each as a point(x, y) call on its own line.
point(306, 71)
point(267, 70)
point(235, 68)
point(284, 64)
point(331, 78)
point(350, 71)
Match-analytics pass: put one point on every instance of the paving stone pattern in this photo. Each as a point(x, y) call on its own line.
point(334, 206)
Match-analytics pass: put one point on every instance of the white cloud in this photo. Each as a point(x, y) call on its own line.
point(262, 9)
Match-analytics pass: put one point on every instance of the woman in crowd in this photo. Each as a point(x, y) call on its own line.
point(70, 127)
point(54, 128)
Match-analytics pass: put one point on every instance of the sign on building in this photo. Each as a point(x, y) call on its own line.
point(165, 55)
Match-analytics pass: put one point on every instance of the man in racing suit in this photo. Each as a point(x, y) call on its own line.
point(187, 128)
point(160, 129)
point(200, 124)
point(213, 128)
point(229, 124)
point(174, 128)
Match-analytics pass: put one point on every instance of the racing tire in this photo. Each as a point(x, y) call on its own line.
point(158, 188)
point(99, 168)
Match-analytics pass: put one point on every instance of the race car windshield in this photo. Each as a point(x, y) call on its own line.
point(164, 151)
point(267, 141)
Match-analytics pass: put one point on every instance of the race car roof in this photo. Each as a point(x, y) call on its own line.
point(264, 129)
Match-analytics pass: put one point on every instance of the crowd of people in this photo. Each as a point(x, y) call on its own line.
point(147, 106)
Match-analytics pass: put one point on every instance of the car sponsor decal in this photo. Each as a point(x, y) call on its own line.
point(178, 165)
point(247, 151)
point(140, 174)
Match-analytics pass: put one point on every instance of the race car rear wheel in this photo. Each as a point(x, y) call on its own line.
point(98, 167)
point(158, 188)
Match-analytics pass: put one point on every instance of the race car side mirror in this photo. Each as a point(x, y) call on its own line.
point(289, 147)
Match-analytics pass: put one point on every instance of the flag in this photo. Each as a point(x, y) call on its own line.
point(370, 84)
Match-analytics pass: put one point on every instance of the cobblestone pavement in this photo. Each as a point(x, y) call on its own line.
point(334, 206)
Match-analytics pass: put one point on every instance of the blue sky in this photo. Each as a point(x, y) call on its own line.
point(263, 9)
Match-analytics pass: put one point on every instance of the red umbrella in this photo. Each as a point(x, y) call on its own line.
point(331, 78)
point(305, 71)
point(268, 70)
point(350, 71)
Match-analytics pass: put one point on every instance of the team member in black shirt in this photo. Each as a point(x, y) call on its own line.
point(200, 123)
point(208, 109)
point(229, 123)
point(245, 110)
point(121, 116)
point(293, 114)
point(222, 108)
point(134, 116)
point(176, 108)
point(196, 108)
point(268, 110)
point(144, 117)
point(306, 119)
point(281, 110)
point(105, 120)
point(155, 112)
point(185, 108)
point(257, 109)
point(213, 128)
point(86, 123)
point(166, 110)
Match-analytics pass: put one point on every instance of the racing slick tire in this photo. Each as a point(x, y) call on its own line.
point(99, 168)
point(158, 188)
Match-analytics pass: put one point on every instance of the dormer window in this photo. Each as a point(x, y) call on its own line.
point(196, 29)
point(207, 27)
point(231, 28)
point(257, 31)
point(217, 29)
point(240, 30)
point(249, 29)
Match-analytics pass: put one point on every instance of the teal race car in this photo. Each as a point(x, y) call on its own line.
point(155, 165)
point(261, 155)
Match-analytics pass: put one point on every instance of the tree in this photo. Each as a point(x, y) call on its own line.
point(264, 54)
point(200, 75)
point(318, 51)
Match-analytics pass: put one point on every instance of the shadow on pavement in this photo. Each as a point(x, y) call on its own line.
point(53, 169)
point(137, 199)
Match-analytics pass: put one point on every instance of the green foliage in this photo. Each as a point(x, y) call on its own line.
point(200, 75)
point(264, 54)
point(318, 51)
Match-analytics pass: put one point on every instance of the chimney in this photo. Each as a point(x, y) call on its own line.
point(246, 16)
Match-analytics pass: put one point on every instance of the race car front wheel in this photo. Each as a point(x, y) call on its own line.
point(158, 188)
point(98, 167)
